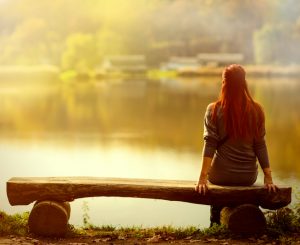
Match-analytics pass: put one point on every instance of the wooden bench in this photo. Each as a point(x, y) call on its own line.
point(52, 195)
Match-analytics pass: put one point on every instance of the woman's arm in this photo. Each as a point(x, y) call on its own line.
point(261, 152)
point(211, 139)
point(201, 186)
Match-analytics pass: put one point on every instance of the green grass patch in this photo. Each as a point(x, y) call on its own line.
point(13, 224)
point(283, 225)
point(68, 75)
point(160, 74)
point(283, 222)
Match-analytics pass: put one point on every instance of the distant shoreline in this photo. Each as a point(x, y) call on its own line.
point(47, 72)
point(251, 70)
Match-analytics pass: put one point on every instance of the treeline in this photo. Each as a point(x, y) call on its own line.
point(78, 34)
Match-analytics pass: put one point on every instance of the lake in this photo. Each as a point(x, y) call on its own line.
point(134, 128)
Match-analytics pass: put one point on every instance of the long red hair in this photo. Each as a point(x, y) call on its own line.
point(243, 117)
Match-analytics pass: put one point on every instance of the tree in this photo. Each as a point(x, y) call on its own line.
point(26, 45)
point(109, 43)
point(276, 44)
point(80, 53)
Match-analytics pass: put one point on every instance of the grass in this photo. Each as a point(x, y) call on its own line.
point(164, 232)
point(283, 221)
point(13, 224)
point(283, 226)
point(17, 225)
point(159, 74)
point(68, 75)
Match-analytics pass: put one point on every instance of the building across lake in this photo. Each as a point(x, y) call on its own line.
point(219, 59)
point(124, 64)
point(178, 62)
point(203, 60)
point(192, 65)
point(116, 65)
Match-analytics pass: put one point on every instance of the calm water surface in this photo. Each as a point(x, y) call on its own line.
point(131, 129)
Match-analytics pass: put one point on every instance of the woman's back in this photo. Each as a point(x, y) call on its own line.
point(234, 161)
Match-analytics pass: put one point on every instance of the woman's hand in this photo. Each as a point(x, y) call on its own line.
point(268, 180)
point(269, 184)
point(201, 186)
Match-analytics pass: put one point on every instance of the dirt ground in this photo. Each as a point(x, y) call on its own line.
point(15, 240)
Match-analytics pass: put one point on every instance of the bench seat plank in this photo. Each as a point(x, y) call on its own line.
point(25, 190)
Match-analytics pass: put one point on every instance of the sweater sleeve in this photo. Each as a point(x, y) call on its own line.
point(261, 150)
point(210, 135)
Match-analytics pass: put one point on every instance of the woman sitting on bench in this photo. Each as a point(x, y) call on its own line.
point(234, 130)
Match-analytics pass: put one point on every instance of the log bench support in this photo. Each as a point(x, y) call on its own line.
point(51, 211)
point(243, 219)
point(49, 218)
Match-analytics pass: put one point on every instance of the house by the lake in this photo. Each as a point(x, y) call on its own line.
point(177, 63)
point(219, 59)
point(124, 64)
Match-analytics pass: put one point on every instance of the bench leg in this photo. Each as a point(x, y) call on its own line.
point(244, 219)
point(215, 212)
point(49, 218)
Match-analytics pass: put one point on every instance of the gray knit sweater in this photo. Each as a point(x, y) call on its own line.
point(234, 162)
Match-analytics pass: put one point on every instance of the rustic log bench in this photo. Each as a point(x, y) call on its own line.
point(52, 195)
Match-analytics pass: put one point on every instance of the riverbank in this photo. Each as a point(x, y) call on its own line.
point(50, 73)
point(283, 228)
point(251, 70)
point(205, 71)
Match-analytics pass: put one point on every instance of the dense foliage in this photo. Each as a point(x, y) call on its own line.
point(78, 34)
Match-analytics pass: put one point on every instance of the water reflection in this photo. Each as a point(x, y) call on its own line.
point(161, 114)
point(138, 128)
point(113, 160)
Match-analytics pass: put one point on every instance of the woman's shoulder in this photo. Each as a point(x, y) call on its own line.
point(259, 118)
point(213, 106)
point(259, 111)
point(210, 106)
point(258, 107)
point(213, 112)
